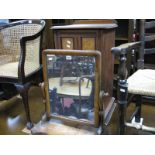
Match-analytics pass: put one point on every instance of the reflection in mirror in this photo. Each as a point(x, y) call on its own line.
point(71, 82)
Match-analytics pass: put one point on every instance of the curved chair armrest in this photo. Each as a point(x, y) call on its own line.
point(124, 48)
point(32, 37)
point(23, 41)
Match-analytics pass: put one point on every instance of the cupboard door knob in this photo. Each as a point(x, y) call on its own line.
point(68, 42)
point(68, 46)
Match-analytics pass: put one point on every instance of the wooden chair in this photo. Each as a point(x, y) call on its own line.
point(140, 84)
point(20, 51)
point(75, 95)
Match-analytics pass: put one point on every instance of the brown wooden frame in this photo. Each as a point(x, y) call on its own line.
point(97, 104)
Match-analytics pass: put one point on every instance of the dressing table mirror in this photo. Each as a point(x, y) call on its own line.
point(73, 97)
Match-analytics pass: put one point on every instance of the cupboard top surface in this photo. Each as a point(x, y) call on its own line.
point(85, 26)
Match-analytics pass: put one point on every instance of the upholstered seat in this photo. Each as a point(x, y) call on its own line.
point(5, 59)
point(142, 82)
point(11, 69)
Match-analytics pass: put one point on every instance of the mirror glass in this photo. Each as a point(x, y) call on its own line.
point(71, 83)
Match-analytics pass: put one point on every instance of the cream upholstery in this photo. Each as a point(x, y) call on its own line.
point(11, 69)
point(5, 59)
point(142, 82)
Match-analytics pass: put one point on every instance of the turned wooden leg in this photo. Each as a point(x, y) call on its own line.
point(122, 104)
point(23, 90)
point(138, 105)
point(122, 111)
point(122, 92)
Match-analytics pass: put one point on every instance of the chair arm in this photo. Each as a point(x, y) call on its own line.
point(125, 48)
point(23, 41)
point(32, 37)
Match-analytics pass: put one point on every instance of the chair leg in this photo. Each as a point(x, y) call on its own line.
point(23, 90)
point(138, 105)
point(122, 112)
point(122, 93)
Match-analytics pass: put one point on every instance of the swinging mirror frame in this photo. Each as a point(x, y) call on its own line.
point(97, 103)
